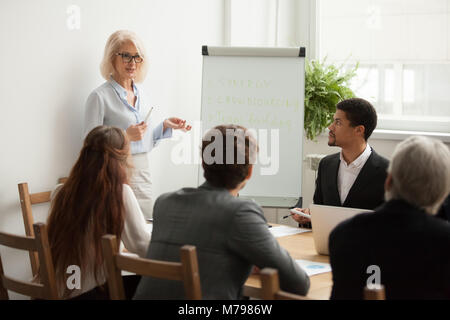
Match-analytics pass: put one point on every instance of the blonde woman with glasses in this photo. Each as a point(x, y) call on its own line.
point(120, 103)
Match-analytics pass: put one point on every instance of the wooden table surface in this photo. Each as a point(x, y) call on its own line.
point(300, 246)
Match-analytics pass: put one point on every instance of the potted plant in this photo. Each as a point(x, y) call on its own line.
point(325, 86)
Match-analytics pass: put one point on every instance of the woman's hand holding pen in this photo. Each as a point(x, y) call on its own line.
point(136, 132)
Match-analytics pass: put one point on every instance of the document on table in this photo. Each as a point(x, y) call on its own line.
point(312, 268)
point(282, 231)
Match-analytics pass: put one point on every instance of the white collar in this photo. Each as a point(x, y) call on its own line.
point(361, 160)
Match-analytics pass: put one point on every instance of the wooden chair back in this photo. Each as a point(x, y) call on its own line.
point(47, 288)
point(374, 292)
point(28, 199)
point(270, 286)
point(185, 271)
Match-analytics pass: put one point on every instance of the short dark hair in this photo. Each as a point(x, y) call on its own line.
point(234, 169)
point(360, 112)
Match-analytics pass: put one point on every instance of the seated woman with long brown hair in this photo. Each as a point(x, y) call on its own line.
point(95, 200)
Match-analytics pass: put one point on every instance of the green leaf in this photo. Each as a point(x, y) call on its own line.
point(325, 86)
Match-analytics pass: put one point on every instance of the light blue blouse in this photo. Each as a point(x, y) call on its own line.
point(108, 105)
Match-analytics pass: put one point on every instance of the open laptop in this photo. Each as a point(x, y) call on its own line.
point(324, 219)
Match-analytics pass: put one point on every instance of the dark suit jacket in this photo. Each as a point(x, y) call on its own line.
point(367, 191)
point(230, 234)
point(444, 211)
point(410, 246)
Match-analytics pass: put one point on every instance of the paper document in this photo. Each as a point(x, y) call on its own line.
point(282, 231)
point(311, 267)
point(149, 227)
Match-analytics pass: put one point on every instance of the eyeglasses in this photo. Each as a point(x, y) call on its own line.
point(126, 57)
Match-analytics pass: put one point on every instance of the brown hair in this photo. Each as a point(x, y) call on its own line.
point(227, 167)
point(90, 203)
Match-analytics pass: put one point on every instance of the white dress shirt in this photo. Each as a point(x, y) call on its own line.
point(348, 173)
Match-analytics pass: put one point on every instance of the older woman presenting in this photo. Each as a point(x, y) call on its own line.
point(118, 102)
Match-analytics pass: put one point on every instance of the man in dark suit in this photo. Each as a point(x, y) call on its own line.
point(355, 176)
point(444, 212)
point(230, 234)
point(401, 245)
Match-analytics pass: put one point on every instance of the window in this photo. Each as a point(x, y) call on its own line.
point(403, 50)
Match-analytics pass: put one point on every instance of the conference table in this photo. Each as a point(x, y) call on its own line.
point(299, 246)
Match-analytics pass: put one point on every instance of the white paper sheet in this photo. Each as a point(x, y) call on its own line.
point(282, 231)
point(312, 268)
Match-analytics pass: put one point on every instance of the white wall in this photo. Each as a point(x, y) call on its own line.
point(48, 71)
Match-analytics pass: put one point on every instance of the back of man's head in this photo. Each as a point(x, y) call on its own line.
point(228, 152)
point(360, 113)
point(420, 171)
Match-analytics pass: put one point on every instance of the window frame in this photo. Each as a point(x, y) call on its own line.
point(389, 127)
